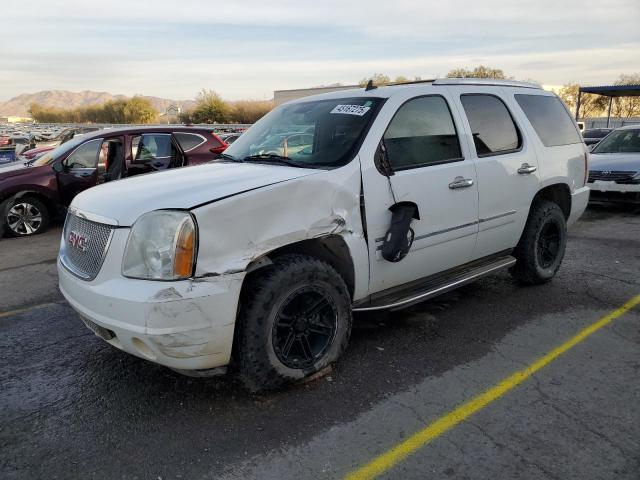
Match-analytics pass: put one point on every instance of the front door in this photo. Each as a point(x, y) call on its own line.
point(80, 170)
point(432, 169)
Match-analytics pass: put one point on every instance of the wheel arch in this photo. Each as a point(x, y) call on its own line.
point(332, 249)
point(48, 202)
point(559, 193)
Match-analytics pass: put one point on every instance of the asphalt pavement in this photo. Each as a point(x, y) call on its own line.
point(71, 406)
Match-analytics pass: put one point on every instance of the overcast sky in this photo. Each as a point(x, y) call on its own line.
point(247, 48)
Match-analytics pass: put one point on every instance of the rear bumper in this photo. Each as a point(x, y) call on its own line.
point(186, 325)
point(579, 201)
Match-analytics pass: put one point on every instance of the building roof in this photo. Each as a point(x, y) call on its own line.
point(614, 90)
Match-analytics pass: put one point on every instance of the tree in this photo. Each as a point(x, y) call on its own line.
point(478, 72)
point(626, 107)
point(210, 108)
point(590, 105)
point(133, 110)
point(249, 111)
point(139, 110)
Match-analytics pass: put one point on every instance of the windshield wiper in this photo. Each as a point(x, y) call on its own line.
point(274, 158)
point(226, 156)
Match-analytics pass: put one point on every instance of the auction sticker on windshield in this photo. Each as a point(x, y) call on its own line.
point(350, 109)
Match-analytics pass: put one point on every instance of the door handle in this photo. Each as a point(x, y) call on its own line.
point(526, 169)
point(460, 182)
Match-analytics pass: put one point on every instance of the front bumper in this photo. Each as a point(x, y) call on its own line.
point(185, 325)
point(604, 187)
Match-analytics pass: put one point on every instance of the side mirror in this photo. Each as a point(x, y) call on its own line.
point(58, 167)
point(381, 160)
point(592, 146)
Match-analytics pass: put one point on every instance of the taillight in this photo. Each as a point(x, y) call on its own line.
point(219, 149)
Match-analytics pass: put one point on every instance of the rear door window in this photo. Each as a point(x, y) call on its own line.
point(493, 129)
point(85, 156)
point(549, 119)
point(153, 148)
point(422, 133)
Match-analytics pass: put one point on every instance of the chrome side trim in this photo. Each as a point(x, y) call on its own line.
point(439, 232)
point(494, 217)
point(93, 217)
point(457, 227)
point(441, 289)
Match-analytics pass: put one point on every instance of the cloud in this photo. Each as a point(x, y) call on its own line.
point(249, 48)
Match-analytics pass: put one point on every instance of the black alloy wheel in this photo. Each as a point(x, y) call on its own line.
point(305, 327)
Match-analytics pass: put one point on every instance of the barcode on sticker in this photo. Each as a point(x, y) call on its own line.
point(350, 109)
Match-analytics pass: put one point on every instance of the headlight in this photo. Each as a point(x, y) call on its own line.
point(161, 246)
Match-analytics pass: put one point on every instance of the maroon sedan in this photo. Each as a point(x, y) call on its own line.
point(32, 192)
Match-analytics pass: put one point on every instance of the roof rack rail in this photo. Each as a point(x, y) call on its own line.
point(486, 81)
point(411, 82)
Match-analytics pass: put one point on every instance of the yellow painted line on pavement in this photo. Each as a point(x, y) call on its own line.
point(26, 309)
point(400, 452)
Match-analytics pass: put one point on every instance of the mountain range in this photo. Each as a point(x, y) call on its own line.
point(19, 105)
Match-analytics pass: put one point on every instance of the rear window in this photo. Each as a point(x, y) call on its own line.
point(550, 119)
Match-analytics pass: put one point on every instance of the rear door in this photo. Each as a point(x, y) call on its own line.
point(431, 169)
point(151, 152)
point(80, 170)
point(506, 163)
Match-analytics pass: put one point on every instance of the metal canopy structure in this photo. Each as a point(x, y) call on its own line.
point(610, 91)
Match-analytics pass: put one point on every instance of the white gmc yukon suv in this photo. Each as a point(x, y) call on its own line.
point(351, 201)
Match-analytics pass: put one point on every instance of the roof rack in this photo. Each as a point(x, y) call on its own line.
point(486, 81)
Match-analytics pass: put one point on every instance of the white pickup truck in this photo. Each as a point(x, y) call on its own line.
point(350, 201)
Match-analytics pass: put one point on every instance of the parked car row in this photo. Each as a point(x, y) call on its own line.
point(33, 191)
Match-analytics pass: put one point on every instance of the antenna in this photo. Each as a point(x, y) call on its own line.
point(370, 86)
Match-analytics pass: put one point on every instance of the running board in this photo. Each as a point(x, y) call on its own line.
point(422, 290)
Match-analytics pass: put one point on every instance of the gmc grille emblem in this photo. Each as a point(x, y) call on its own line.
point(77, 240)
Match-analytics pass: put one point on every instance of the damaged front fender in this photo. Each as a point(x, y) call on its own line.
point(235, 232)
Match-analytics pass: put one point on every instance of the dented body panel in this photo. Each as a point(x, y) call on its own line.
point(184, 325)
point(245, 227)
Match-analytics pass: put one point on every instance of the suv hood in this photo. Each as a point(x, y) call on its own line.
point(625, 162)
point(185, 188)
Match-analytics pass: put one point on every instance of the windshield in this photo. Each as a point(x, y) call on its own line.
point(49, 157)
point(315, 134)
point(620, 141)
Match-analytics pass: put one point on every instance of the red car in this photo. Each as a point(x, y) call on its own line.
point(32, 192)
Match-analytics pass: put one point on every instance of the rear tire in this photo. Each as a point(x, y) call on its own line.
point(294, 320)
point(24, 216)
point(542, 245)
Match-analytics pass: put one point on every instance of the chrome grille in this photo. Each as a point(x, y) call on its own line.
point(611, 176)
point(84, 246)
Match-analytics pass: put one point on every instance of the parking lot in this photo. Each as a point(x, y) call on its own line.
point(74, 407)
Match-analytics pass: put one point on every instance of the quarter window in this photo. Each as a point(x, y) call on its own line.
point(550, 119)
point(85, 156)
point(491, 124)
point(188, 141)
point(422, 133)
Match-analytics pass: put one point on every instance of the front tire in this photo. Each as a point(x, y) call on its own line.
point(542, 245)
point(24, 216)
point(294, 320)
